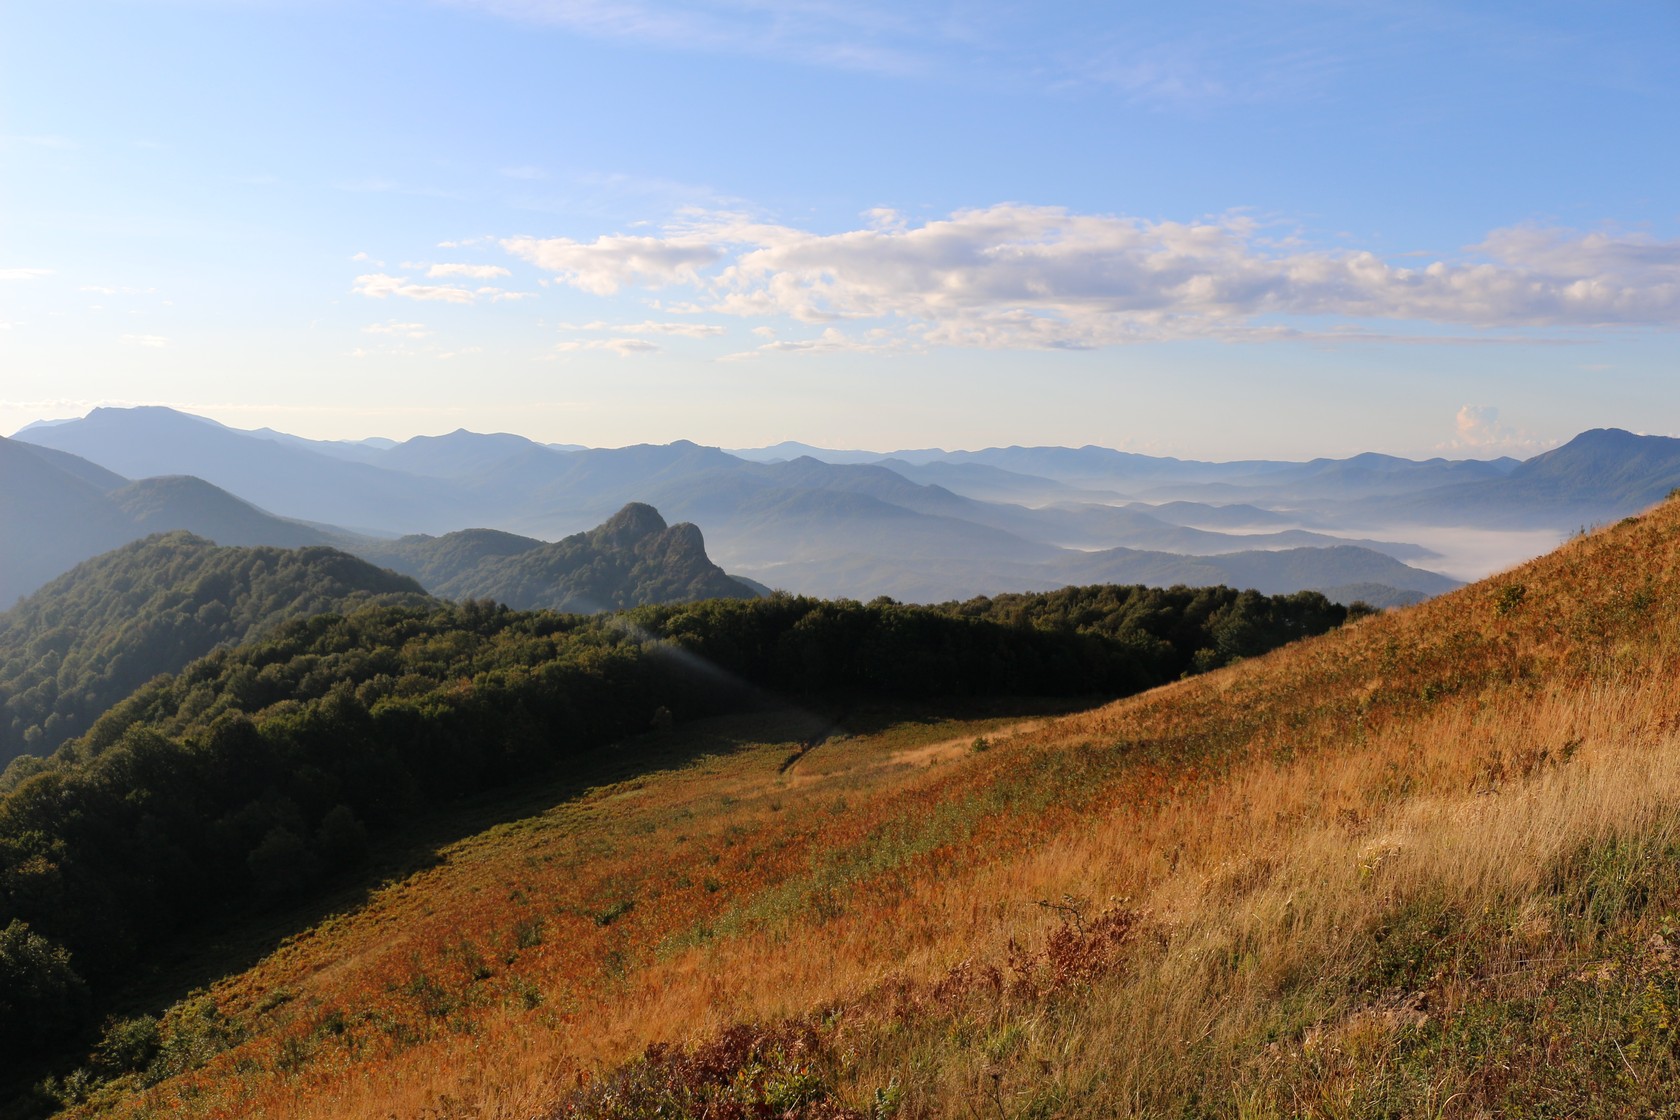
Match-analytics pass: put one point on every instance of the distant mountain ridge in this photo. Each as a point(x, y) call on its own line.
point(632, 559)
point(57, 510)
point(927, 523)
point(1600, 475)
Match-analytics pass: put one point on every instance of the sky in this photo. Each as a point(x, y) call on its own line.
point(1209, 230)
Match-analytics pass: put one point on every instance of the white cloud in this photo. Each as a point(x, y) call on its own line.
point(378, 285)
point(1479, 424)
point(1030, 276)
point(24, 273)
point(470, 271)
point(623, 347)
point(1480, 429)
point(393, 327)
point(150, 341)
point(609, 263)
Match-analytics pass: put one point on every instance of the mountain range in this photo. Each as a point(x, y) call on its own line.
point(922, 525)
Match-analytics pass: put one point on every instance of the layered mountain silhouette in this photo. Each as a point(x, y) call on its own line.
point(1599, 475)
point(921, 524)
point(57, 510)
point(633, 558)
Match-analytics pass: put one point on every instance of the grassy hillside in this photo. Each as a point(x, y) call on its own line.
point(254, 778)
point(1424, 865)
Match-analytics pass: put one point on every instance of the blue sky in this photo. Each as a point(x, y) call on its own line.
point(1280, 229)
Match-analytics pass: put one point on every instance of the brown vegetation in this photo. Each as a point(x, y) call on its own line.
point(1421, 866)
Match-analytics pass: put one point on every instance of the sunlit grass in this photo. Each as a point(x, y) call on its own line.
point(1423, 866)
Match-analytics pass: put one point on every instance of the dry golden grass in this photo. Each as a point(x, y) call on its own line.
point(1364, 871)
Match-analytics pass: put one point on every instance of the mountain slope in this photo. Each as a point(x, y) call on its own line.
point(57, 510)
point(287, 478)
point(95, 634)
point(1421, 866)
point(181, 502)
point(631, 559)
point(50, 519)
point(1599, 475)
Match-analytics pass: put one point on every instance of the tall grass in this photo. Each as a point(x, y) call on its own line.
point(1424, 866)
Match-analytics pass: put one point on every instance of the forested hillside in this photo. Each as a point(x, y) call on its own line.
point(254, 772)
point(631, 559)
point(97, 633)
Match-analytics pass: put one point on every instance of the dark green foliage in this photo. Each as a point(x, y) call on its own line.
point(96, 634)
point(342, 839)
point(254, 772)
point(41, 997)
point(129, 1045)
point(1174, 630)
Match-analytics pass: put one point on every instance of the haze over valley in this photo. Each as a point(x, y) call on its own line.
point(718, 560)
point(922, 525)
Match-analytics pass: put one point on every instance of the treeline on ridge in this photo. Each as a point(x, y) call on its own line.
point(254, 772)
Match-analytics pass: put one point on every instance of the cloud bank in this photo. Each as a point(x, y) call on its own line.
point(1016, 276)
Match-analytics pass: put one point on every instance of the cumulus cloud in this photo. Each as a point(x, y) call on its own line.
point(607, 264)
point(1478, 424)
point(469, 271)
point(1479, 429)
point(24, 273)
point(1031, 276)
